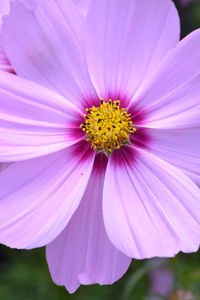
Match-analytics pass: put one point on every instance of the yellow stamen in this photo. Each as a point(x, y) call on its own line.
point(108, 126)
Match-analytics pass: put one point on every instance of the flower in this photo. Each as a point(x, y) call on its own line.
point(161, 280)
point(102, 123)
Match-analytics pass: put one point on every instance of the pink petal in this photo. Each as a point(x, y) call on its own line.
point(4, 9)
point(3, 166)
point(4, 63)
point(53, 55)
point(179, 147)
point(6, 67)
point(83, 5)
point(126, 40)
point(150, 207)
point(83, 254)
point(39, 196)
point(33, 120)
point(170, 99)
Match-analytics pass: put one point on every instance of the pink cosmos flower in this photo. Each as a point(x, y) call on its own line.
point(99, 181)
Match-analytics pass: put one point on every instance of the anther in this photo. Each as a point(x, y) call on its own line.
point(116, 126)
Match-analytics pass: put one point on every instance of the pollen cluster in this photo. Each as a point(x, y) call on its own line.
point(108, 126)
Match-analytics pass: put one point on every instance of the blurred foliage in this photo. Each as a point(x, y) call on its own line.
point(189, 15)
point(24, 275)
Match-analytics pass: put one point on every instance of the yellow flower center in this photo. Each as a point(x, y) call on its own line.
point(108, 126)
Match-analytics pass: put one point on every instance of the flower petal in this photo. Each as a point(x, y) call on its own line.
point(83, 254)
point(4, 63)
point(39, 196)
point(126, 40)
point(170, 99)
point(179, 147)
point(4, 9)
point(54, 54)
point(3, 166)
point(150, 207)
point(83, 5)
point(33, 120)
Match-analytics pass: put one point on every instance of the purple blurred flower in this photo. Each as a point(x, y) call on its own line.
point(96, 209)
point(161, 281)
point(186, 2)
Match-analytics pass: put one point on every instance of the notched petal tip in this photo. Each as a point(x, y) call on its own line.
point(98, 262)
